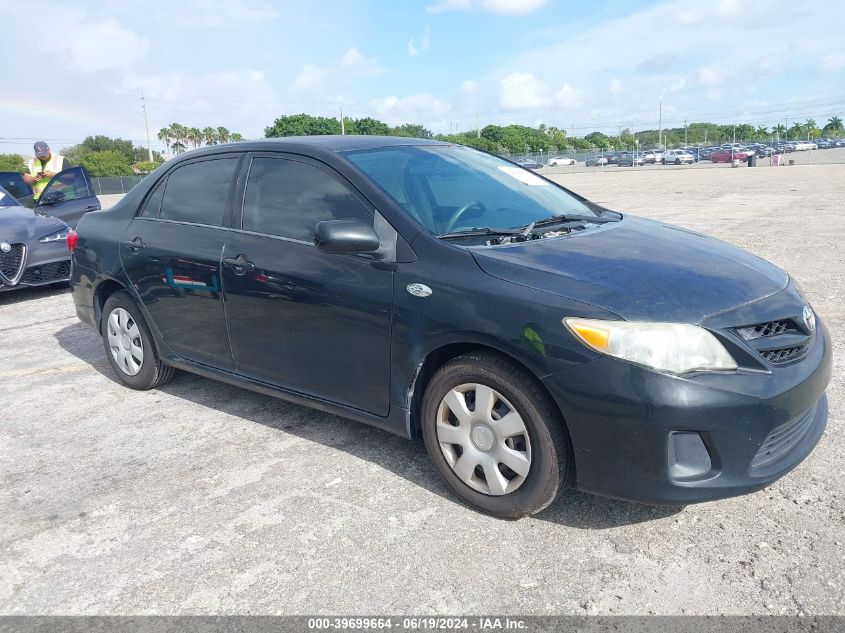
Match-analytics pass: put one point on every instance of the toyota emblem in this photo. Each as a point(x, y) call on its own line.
point(5, 247)
point(809, 318)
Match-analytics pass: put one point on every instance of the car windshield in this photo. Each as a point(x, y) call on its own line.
point(7, 199)
point(451, 188)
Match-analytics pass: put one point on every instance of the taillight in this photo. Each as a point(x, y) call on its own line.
point(72, 239)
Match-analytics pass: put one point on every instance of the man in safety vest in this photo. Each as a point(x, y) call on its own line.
point(44, 166)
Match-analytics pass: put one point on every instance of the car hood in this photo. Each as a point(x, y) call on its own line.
point(639, 270)
point(19, 224)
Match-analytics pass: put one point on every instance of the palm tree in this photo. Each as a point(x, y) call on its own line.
point(811, 130)
point(834, 126)
point(165, 135)
point(223, 135)
point(210, 135)
point(235, 137)
point(796, 131)
point(179, 134)
point(779, 130)
point(762, 132)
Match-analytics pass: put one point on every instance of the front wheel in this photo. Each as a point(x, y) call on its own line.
point(677, 161)
point(129, 344)
point(495, 436)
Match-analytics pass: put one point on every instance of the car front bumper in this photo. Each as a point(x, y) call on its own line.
point(43, 264)
point(650, 437)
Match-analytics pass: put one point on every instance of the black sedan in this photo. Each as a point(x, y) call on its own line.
point(530, 164)
point(533, 339)
point(33, 251)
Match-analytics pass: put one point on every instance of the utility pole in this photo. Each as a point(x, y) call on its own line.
point(342, 123)
point(660, 130)
point(477, 126)
point(146, 127)
point(686, 142)
point(572, 123)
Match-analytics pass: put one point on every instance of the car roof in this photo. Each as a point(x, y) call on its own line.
point(331, 143)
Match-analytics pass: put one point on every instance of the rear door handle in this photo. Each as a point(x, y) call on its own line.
point(90, 208)
point(136, 244)
point(239, 264)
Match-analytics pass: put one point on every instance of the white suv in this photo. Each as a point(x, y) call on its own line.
point(677, 157)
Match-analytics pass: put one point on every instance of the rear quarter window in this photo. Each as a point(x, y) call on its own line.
point(199, 192)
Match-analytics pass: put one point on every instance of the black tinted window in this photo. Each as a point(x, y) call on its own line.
point(287, 198)
point(198, 192)
point(68, 185)
point(153, 203)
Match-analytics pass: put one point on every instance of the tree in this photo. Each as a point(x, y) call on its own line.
point(12, 162)
point(209, 135)
point(779, 130)
point(235, 138)
point(145, 166)
point(411, 130)
point(368, 127)
point(762, 132)
point(834, 126)
point(165, 135)
point(108, 162)
point(302, 125)
point(223, 135)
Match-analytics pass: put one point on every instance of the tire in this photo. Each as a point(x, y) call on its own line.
point(677, 161)
point(542, 444)
point(122, 322)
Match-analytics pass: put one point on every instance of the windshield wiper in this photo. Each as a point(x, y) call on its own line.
point(568, 217)
point(484, 230)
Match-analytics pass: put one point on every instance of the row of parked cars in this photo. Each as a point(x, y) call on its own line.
point(724, 153)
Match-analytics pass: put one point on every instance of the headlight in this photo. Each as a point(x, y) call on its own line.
point(671, 347)
point(55, 237)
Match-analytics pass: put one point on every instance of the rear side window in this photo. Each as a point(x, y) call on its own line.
point(153, 203)
point(287, 198)
point(198, 192)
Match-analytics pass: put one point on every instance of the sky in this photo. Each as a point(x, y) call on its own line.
point(78, 68)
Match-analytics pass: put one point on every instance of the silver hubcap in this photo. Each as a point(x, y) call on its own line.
point(125, 342)
point(483, 439)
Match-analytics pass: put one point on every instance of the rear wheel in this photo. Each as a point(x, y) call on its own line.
point(495, 437)
point(129, 344)
point(677, 161)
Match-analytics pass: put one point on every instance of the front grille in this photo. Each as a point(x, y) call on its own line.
point(783, 355)
point(763, 330)
point(11, 262)
point(46, 273)
point(781, 439)
point(764, 338)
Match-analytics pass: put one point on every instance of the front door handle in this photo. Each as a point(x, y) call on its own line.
point(239, 264)
point(136, 244)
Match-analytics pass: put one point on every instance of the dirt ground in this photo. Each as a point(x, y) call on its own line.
point(204, 498)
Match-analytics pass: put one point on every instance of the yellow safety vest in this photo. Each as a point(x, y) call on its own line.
point(54, 164)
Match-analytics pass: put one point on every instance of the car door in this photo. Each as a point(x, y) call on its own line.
point(171, 253)
point(299, 318)
point(68, 196)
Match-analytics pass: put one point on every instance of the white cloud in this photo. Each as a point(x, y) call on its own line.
point(510, 7)
point(569, 97)
point(833, 62)
point(521, 91)
point(421, 107)
point(310, 77)
point(615, 87)
point(354, 61)
point(214, 14)
point(425, 42)
point(81, 42)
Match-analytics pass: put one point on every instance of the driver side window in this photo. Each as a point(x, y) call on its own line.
point(287, 198)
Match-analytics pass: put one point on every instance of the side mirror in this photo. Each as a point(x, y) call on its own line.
point(52, 197)
point(345, 236)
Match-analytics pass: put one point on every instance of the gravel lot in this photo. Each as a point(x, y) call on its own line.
point(204, 498)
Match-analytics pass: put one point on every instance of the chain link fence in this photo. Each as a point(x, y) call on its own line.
point(114, 184)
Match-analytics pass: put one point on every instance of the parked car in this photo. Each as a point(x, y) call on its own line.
point(727, 156)
point(33, 251)
point(533, 339)
point(677, 157)
point(67, 196)
point(596, 161)
point(653, 156)
point(629, 160)
point(562, 160)
point(529, 164)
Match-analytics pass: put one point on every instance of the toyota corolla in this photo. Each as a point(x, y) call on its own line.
point(531, 338)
